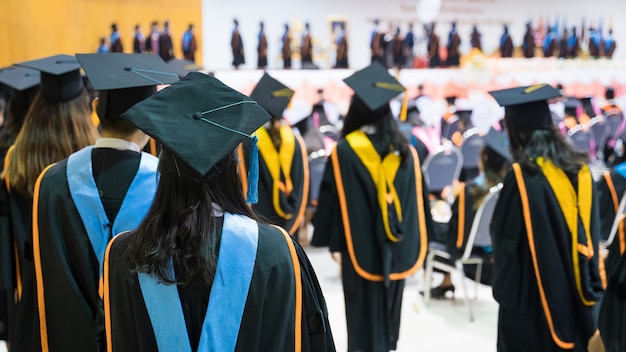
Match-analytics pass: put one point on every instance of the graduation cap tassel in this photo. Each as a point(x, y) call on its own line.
point(253, 173)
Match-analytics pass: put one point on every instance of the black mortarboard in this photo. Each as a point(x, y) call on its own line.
point(272, 95)
point(499, 142)
point(374, 86)
point(19, 78)
point(183, 67)
point(124, 79)
point(60, 77)
point(200, 120)
point(527, 106)
point(571, 106)
point(465, 115)
point(23, 82)
point(609, 93)
point(450, 99)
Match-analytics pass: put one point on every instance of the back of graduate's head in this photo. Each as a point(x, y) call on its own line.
point(200, 122)
point(531, 131)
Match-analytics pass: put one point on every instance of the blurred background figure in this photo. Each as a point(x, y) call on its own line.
point(236, 46)
point(116, 41)
point(261, 48)
point(506, 43)
point(189, 44)
point(453, 58)
point(286, 47)
point(139, 41)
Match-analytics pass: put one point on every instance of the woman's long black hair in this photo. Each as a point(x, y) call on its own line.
point(386, 127)
point(180, 225)
point(528, 144)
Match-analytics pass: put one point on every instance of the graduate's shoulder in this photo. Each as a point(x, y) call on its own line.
point(273, 245)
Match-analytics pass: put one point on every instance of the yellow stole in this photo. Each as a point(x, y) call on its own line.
point(383, 172)
point(278, 161)
point(573, 205)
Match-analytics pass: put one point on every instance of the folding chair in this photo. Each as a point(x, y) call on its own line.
point(580, 139)
point(621, 210)
point(471, 147)
point(479, 236)
point(442, 167)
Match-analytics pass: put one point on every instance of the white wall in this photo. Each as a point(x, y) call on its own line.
point(488, 14)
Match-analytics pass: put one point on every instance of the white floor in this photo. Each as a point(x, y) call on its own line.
point(442, 326)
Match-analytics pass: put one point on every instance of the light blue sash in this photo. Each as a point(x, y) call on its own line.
point(229, 292)
point(86, 197)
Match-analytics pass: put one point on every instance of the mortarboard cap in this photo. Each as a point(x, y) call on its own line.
point(200, 120)
point(609, 93)
point(19, 78)
point(272, 95)
point(374, 86)
point(124, 79)
point(183, 67)
point(527, 106)
point(572, 106)
point(499, 142)
point(60, 77)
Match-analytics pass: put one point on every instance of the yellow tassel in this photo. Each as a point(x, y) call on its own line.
point(403, 110)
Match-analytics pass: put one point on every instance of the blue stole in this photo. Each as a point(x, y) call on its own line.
point(229, 293)
point(86, 197)
point(621, 169)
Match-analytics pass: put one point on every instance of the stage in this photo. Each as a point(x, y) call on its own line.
point(581, 77)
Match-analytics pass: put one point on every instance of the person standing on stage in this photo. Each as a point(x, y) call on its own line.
point(286, 47)
point(152, 43)
point(545, 233)
point(407, 46)
point(341, 42)
point(454, 41)
point(433, 47)
point(306, 47)
point(476, 38)
point(166, 47)
point(261, 48)
point(377, 44)
point(189, 44)
point(373, 212)
point(236, 46)
point(116, 41)
point(139, 41)
point(506, 43)
point(528, 43)
point(609, 45)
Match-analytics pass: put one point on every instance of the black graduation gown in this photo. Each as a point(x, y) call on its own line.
point(294, 203)
point(268, 321)
point(612, 317)
point(70, 270)
point(372, 309)
point(523, 324)
point(607, 190)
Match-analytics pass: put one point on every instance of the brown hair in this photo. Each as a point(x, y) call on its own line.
point(51, 132)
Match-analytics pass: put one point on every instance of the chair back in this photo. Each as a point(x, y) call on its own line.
point(442, 167)
point(621, 210)
point(580, 139)
point(317, 164)
point(479, 233)
point(470, 149)
point(600, 131)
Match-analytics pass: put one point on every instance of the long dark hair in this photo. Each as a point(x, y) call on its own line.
point(274, 132)
point(180, 225)
point(528, 144)
point(494, 167)
point(360, 115)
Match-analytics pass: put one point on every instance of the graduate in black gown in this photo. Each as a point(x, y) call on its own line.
point(283, 162)
point(236, 46)
point(545, 233)
point(84, 200)
point(201, 272)
point(611, 188)
point(373, 210)
point(57, 124)
point(612, 317)
point(24, 86)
